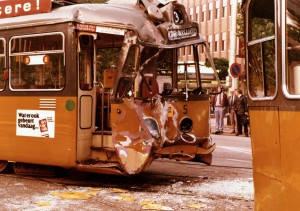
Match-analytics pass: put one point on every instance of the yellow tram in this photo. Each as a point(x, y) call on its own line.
point(273, 67)
point(95, 87)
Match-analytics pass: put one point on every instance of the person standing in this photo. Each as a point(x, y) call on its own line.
point(232, 101)
point(219, 103)
point(241, 109)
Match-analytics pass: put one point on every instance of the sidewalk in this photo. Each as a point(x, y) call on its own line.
point(227, 128)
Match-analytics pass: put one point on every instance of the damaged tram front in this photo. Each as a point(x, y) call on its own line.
point(128, 99)
point(158, 106)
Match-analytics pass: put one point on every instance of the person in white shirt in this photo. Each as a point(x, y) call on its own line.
point(219, 104)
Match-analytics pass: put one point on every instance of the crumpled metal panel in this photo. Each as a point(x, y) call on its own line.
point(135, 141)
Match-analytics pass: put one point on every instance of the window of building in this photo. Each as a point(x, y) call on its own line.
point(217, 13)
point(203, 13)
point(224, 8)
point(198, 14)
point(217, 10)
point(216, 42)
point(191, 13)
point(37, 62)
point(189, 50)
point(223, 44)
point(210, 11)
point(210, 40)
point(200, 49)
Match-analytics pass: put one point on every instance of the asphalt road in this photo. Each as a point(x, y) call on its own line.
point(233, 151)
point(166, 185)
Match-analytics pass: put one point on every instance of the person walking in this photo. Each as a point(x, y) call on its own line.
point(241, 110)
point(232, 102)
point(220, 103)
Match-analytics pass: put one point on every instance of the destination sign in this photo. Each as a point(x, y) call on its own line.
point(99, 29)
point(9, 8)
point(177, 34)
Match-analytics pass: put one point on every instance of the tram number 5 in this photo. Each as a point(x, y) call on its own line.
point(185, 109)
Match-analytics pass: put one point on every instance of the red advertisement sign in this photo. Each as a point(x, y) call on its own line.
point(9, 8)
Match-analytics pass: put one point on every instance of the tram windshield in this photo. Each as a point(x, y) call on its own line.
point(161, 71)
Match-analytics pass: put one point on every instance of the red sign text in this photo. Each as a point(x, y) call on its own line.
point(9, 8)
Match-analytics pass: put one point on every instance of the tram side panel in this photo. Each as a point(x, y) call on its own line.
point(267, 164)
point(32, 132)
point(290, 142)
point(39, 136)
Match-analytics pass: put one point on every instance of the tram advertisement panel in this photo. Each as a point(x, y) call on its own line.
point(9, 8)
point(35, 123)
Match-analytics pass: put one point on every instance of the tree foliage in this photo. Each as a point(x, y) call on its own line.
point(222, 65)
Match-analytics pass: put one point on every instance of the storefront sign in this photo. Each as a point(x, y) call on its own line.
point(9, 8)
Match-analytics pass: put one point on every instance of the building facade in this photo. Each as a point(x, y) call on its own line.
point(214, 18)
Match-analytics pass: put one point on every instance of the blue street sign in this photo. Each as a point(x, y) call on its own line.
point(235, 70)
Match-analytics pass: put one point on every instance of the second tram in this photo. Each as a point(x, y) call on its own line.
point(273, 74)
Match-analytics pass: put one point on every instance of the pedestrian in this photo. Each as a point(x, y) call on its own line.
point(220, 103)
point(232, 102)
point(241, 113)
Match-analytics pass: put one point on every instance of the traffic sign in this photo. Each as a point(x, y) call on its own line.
point(235, 70)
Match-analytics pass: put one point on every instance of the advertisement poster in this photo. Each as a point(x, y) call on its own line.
point(35, 123)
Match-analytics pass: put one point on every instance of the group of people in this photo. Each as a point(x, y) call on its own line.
point(236, 103)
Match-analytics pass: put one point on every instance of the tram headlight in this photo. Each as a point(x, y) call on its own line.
point(186, 125)
point(152, 126)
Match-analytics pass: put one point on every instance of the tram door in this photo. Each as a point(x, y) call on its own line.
point(86, 101)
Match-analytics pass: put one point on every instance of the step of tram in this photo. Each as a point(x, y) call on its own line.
point(107, 168)
point(103, 140)
point(105, 154)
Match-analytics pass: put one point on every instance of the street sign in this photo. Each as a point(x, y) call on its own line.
point(235, 70)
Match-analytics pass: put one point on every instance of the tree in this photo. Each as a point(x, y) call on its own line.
point(222, 65)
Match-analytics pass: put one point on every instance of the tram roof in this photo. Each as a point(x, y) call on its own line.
point(127, 16)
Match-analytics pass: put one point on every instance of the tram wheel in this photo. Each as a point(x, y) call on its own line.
point(3, 165)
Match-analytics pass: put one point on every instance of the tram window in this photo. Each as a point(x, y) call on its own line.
point(157, 68)
point(107, 54)
point(37, 62)
point(2, 63)
point(107, 58)
point(131, 61)
point(86, 61)
point(126, 86)
point(186, 74)
point(165, 63)
point(261, 20)
point(293, 48)
point(261, 48)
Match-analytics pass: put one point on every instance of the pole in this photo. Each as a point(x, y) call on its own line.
point(233, 40)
